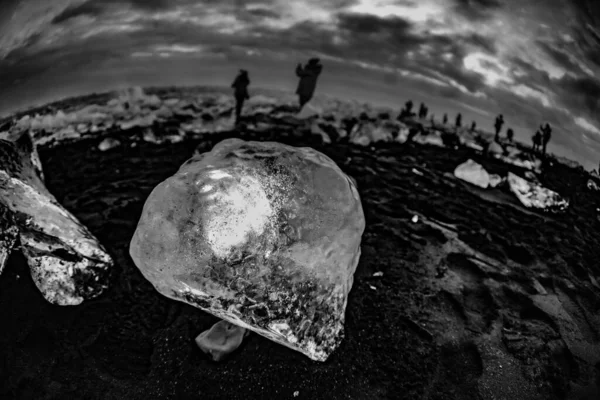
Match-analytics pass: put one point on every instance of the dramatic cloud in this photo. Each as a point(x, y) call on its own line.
point(477, 9)
point(533, 61)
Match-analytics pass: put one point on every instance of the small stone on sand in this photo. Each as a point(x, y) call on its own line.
point(108, 143)
point(221, 340)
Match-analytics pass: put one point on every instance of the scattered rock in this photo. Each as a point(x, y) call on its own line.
point(222, 339)
point(533, 195)
point(108, 143)
point(273, 211)
point(473, 173)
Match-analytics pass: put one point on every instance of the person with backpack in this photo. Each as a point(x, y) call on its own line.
point(308, 75)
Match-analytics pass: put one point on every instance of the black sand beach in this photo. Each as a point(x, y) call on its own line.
point(480, 298)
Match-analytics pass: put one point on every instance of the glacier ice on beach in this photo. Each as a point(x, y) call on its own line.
point(67, 263)
point(221, 339)
point(474, 173)
point(263, 235)
point(533, 195)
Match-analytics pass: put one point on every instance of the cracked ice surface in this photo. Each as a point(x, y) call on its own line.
point(263, 235)
point(67, 263)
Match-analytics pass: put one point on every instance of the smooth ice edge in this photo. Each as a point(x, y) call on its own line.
point(52, 275)
point(273, 334)
point(328, 336)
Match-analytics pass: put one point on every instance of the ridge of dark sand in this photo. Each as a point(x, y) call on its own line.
point(456, 315)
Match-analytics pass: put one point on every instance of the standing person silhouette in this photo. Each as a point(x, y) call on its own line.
point(537, 141)
point(546, 135)
point(240, 86)
point(498, 125)
point(308, 80)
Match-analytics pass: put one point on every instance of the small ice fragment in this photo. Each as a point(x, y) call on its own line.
point(415, 219)
point(378, 273)
point(296, 393)
point(416, 171)
point(372, 287)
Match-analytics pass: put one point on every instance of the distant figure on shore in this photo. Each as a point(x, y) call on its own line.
point(473, 126)
point(423, 111)
point(510, 134)
point(458, 122)
point(498, 125)
point(546, 136)
point(445, 119)
point(240, 86)
point(308, 80)
point(537, 141)
point(407, 112)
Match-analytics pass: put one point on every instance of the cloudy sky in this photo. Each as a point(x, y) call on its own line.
point(534, 61)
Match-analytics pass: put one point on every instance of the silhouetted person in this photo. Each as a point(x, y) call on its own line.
point(308, 80)
point(432, 119)
point(510, 134)
point(423, 111)
point(406, 112)
point(240, 92)
point(546, 136)
point(498, 125)
point(458, 122)
point(445, 119)
point(537, 141)
point(473, 126)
